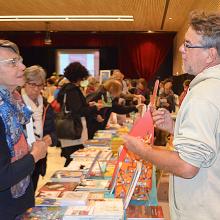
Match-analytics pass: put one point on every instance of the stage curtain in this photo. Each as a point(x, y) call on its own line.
point(140, 54)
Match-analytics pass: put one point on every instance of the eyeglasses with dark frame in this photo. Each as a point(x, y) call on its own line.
point(34, 85)
point(187, 45)
point(14, 62)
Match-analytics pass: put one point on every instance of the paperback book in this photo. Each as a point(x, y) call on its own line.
point(96, 143)
point(79, 212)
point(67, 176)
point(109, 209)
point(134, 212)
point(58, 186)
point(93, 185)
point(76, 198)
point(45, 213)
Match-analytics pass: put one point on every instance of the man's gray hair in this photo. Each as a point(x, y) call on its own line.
point(208, 26)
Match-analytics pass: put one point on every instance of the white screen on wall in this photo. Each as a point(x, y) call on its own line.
point(87, 57)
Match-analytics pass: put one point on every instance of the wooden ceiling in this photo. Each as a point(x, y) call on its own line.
point(148, 14)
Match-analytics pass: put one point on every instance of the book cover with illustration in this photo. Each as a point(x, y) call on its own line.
point(79, 212)
point(93, 185)
point(44, 213)
point(66, 176)
point(58, 186)
point(134, 212)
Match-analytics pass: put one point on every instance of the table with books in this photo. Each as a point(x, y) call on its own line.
point(97, 185)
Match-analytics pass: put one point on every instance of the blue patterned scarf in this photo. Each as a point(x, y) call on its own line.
point(14, 114)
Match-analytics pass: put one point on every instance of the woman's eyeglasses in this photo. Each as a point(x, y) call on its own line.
point(14, 62)
point(34, 85)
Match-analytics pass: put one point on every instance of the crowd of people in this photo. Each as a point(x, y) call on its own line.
point(28, 122)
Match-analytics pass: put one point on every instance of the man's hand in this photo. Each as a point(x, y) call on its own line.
point(135, 144)
point(162, 120)
point(39, 150)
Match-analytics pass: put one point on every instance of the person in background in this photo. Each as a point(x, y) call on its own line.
point(93, 85)
point(143, 90)
point(185, 90)
point(109, 92)
point(195, 161)
point(166, 99)
point(81, 112)
point(43, 118)
point(161, 88)
point(17, 159)
point(50, 88)
point(125, 94)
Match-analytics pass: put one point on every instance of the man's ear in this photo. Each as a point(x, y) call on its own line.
point(213, 55)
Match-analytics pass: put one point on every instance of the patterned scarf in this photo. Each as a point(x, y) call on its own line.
point(14, 115)
point(37, 113)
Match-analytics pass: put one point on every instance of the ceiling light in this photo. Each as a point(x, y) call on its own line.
point(67, 18)
point(170, 18)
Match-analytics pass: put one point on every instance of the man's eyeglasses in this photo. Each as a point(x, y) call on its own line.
point(14, 62)
point(34, 85)
point(187, 45)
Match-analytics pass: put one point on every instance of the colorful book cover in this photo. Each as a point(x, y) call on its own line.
point(144, 212)
point(93, 185)
point(45, 213)
point(78, 212)
point(67, 176)
point(59, 186)
point(48, 194)
point(47, 202)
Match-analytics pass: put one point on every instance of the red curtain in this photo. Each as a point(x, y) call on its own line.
point(140, 55)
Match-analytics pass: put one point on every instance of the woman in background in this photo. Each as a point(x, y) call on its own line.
point(109, 93)
point(76, 103)
point(43, 116)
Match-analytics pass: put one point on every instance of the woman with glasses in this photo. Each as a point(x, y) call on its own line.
point(17, 158)
point(42, 123)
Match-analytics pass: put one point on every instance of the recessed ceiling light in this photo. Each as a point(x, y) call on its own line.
point(170, 18)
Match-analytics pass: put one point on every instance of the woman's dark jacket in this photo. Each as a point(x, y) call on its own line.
point(76, 103)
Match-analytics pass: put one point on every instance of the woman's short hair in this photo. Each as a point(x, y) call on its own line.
point(9, 45)
point(35, 73)
point(113, 85)
point(75, 71)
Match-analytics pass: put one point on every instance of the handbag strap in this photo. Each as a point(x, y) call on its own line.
point(64, 103)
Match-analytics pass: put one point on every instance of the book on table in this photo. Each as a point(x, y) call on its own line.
point(96, 143)
point(93, 185)
point(77, 198)
point(44, 213)
point(67, 176)
point(134, 212)
point(79, 212)
point(109, 209)
point(59, 186)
